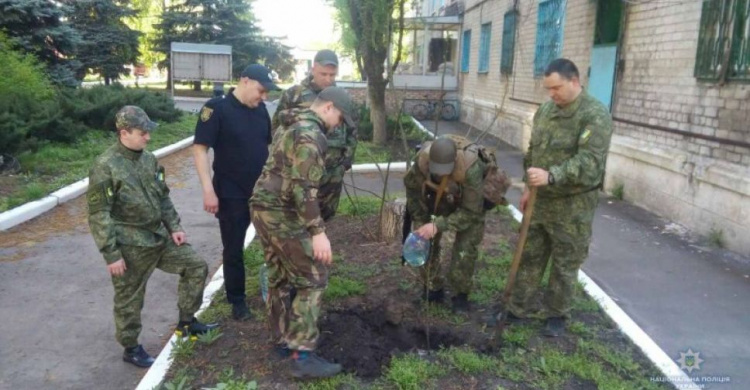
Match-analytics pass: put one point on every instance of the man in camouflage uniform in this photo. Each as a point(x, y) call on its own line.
point(449, 172)
point(137, 229)
point(342, 141)
point(285, 209)
point(565, 160)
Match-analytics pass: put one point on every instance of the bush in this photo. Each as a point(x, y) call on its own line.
point(25, 94)
point(96, 107)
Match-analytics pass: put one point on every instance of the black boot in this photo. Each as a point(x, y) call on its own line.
point(460, 303)
point(554, 327)
point(434, 296)
point(137, 356)
point(309, 365)
point(193, 328)
point(240, 312)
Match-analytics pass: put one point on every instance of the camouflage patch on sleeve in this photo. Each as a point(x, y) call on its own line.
point(585, 136)
point(315, 173)
point(161, 174)
point(100, 196)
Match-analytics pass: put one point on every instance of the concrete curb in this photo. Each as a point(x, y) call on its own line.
point(653, 352)
point(31, 210)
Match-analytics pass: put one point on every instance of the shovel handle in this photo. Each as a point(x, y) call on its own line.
point(521, 243)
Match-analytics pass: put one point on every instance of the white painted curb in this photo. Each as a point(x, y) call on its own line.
point(661, 360)
point(158, 370)
point(368, 168)
point(36, 208)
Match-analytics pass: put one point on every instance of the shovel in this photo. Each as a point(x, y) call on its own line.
point(516, 261)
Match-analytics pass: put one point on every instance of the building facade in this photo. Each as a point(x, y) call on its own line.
point(674, 75)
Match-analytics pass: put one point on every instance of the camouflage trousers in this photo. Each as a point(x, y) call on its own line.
point(329, 193)
point(559, 237)
point(130, 288)
point(290, 263)
point(462, 262)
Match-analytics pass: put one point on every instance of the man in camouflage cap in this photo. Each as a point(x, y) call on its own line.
point(565, 160)
point(445, 190)
point(286, 214)
point(342, 141)
point(137, 229)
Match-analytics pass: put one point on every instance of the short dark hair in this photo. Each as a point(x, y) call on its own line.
point(564, 67)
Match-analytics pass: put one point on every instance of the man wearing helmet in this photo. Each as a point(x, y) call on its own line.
point(445, 191)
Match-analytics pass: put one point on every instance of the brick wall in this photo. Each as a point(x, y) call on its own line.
point(657, 86)
point(483, 95)
point(394, 97)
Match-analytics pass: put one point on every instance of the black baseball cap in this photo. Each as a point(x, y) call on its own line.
point(260, 74)
point(341, 100)
point(327, 57)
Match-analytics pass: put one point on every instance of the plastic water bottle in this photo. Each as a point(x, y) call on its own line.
point(416, 250)
point(263, 276)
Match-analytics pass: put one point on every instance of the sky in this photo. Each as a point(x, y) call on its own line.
point(307, 24)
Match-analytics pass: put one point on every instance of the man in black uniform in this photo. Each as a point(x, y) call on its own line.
point(237, 126)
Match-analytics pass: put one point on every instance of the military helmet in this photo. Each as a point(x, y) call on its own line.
point(442, 156)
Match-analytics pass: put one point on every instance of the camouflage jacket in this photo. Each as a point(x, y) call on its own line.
point(128, 202)
point(572, 144)
point(461, 206)
point(291, 177)
point(342, 141)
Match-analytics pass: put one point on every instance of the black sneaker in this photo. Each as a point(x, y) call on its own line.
point(555, 327)
point(193, 329)
point(434, 296)
point(137, 356)
point(460, 304)
point(240, 312)
point(310, 365)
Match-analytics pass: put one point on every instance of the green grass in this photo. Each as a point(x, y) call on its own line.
point(489, 284)
point(182, 349)
point(218, 310)
point(342, 287)
point(358, 206)
point(716, 238)
point(618, 191)
point(346, 381)
point(518, 335)
point(411, 372)
point(56, 165)
point(441, 312)
point(228, 381)
point(368, 152)
point(468, 361)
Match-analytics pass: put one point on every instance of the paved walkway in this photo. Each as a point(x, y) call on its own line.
point(681, 294)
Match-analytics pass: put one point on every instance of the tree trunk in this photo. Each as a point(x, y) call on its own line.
point(392, 220)
point(376, 92)
point(197, 86)
point(169, 78)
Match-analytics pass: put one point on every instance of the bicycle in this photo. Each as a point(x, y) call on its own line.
point(426, 110)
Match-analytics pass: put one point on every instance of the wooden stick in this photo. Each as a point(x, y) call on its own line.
point(519, 247)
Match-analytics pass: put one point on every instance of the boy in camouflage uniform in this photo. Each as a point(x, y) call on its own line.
point(566, 160)
point(286, 214)
point(449, 172)
point(137, 229)
point(342, 140)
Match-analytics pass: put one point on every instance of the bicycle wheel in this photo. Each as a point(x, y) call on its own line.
point(420, 111)
point(448, 112)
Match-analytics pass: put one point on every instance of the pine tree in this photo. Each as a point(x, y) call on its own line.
point(108, 43)
point(225, 22)
point(39, 27)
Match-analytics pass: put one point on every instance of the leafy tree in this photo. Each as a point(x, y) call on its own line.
point(39, 27)
point(373, 25)
point(108, 43)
